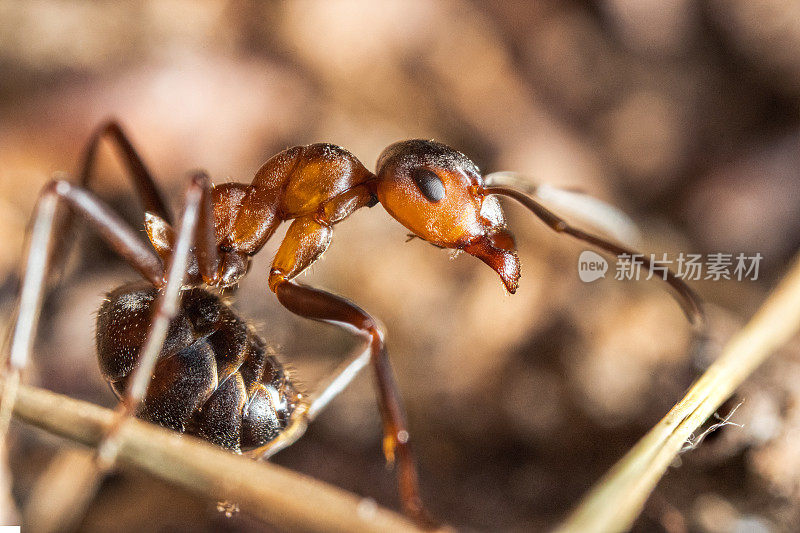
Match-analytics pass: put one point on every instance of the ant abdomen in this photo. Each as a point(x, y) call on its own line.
point(214, 377)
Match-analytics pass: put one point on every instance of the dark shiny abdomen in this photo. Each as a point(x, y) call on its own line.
point(214, 377)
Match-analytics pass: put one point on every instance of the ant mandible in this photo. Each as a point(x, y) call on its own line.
point(433, 190)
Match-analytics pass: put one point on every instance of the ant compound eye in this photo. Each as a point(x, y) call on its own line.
point(429, 184)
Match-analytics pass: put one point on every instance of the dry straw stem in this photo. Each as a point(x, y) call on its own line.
point(266, 491)
point(617, 499)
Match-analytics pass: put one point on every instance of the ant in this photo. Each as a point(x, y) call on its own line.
point(176, 355)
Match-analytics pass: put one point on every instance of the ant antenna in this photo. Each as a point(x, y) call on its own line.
point(686, 297)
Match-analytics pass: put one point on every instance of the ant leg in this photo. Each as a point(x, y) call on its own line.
point(306, 239)
point(147, 190)
point(123, 239)
point(688, 300)
point(340, 379)
point(207, 251)
point(151, 198)
point(165, 310)
point(73, 505)
point(307, 412)
point(323, 306)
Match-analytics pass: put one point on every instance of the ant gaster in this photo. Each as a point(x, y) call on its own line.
point(177, 355)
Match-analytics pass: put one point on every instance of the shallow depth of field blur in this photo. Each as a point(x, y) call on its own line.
point(684, 113)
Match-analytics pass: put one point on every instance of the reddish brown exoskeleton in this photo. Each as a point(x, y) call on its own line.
point(210, 375)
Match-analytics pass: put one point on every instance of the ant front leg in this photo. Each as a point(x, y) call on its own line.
point(305, 241)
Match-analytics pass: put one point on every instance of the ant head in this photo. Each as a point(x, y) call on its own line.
point(437, 193)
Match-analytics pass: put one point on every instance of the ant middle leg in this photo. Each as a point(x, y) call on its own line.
point(306, 239)
point(312, 405)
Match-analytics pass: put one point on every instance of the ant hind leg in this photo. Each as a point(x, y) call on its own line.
point(166, 308)
point(122, 238)
point(150, 196)
point(127, 243)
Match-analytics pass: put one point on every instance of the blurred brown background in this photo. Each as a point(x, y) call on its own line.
point(684, 113)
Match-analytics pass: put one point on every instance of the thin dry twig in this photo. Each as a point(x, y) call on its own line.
point(266, 491)
point(63, 492)
point(618, 498)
